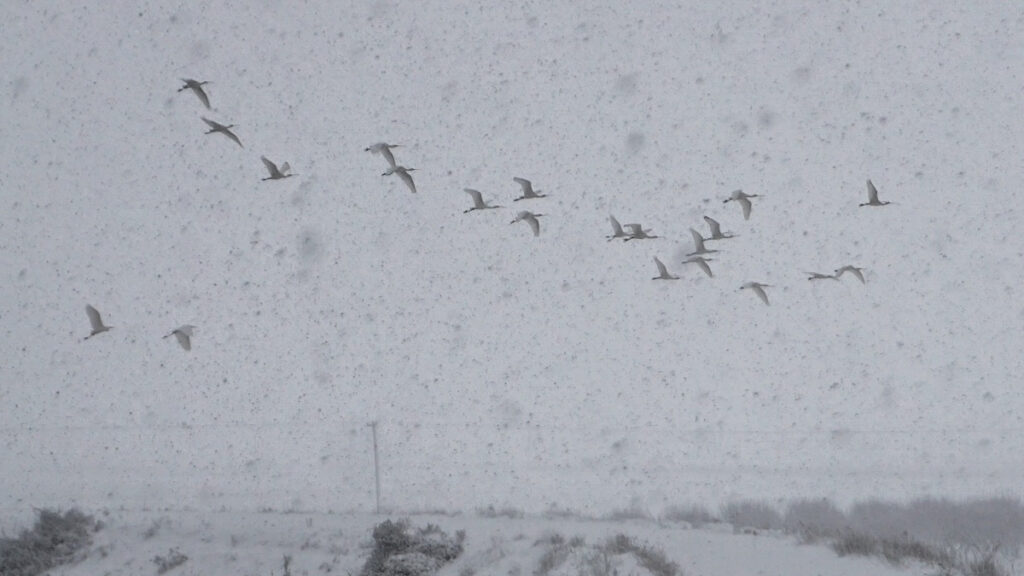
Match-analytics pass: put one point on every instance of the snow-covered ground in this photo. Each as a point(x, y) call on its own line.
point(257, 543)
point(505, 369)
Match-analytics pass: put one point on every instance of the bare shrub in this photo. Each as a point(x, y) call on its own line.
point(898, 550)
point(973, 522)
point(619, 544)
point(556, 554)
point(695, 515)
point(167, 563)
point(854, 544)
point(399, 551)
point(551, 539)
point(985, 567)
point(154, 529)
point(985, 523)
point(598, 563)
point(653, 559)
point(631, 513)
point(506, 512)
point(555, 512)
point(410, 564)
point(979, 561)
point(960, 538)
point(880, 518)
point(752, 514)
point(55, 539)
point(814, 519)
point(901, 549)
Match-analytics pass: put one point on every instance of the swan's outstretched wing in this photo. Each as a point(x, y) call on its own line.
point(530, 218)
point(407, 178)
point(745, 203)
point(661, 267)
point(616, 227)
point(478, 199)
point(271, 167)
point(94, 317)
point(184, 339)
point(526, 185)
point(534, 224)
point(703, 263)
point(698, 240)
point(872, 193)
point(716, 228)
point(183, 334)
point(197, 89)
point(385, 151)
point(227, 132)
point(761, 294)
point(853, 270)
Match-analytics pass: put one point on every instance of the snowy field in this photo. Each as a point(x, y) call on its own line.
point(505, 369)
point(257, 544)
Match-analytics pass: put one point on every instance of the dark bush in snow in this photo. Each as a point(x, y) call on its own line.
point(399, 551)
point(54, 540)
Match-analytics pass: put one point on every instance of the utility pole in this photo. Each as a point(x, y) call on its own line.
point(376, 463)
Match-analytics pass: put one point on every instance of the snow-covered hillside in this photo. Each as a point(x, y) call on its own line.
point(505, 369)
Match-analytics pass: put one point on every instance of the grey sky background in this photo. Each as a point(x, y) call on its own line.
point(503, 368)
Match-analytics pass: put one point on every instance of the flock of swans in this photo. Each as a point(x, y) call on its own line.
point(384, 149)
point(183, 334)
point(625, 232)
point(633, 231)
point(700, 249)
